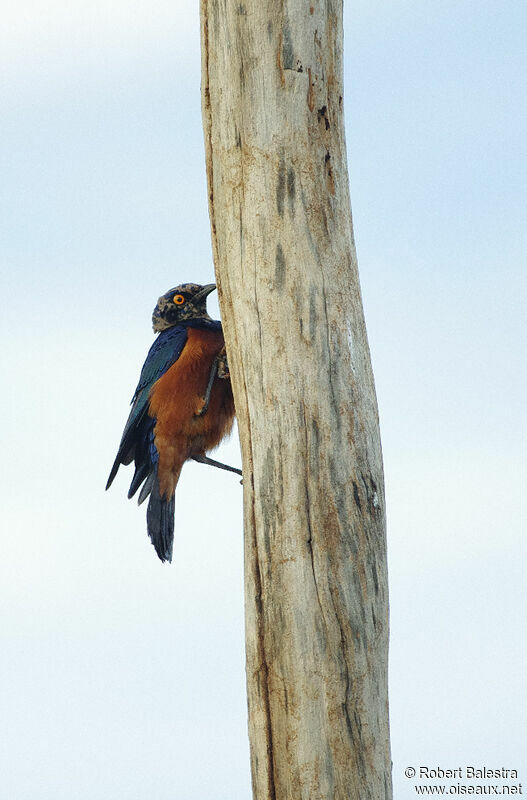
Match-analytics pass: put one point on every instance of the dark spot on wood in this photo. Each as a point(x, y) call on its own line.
point(280, 187)
point(375, 578)
point(311, 9)
point(242, 10)
point(238, 137)
point(363, 636)
point(279, 271)
point(322, 114)
point(356, 496)
point(310, 92)
point(287, 48)
point(374, 618)
point(299, 67)
point(315, 437)
point(267, 540)
point(366, 488)
point(340, 99)
point(312, 314)
point(269, 30)
point(330, 182)
point(314, 447)
point(291, 189)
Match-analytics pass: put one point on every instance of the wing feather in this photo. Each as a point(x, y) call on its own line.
point(137, 439)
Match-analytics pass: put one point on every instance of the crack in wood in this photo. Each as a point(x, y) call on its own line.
point(308, 520)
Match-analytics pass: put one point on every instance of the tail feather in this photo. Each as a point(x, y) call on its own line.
point(141, 472)
point(113, 473)
point(160, 522)
point(147, 488)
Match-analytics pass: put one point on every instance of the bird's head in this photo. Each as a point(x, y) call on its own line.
point(188, 301)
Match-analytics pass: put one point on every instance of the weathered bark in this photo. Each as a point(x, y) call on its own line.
point(316, 580)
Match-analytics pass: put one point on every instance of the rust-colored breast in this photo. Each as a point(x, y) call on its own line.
point(176, 399)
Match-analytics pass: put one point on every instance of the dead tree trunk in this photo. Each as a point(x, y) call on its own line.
point(316, 580)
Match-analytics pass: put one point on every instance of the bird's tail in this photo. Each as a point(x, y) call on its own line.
point(160, 522)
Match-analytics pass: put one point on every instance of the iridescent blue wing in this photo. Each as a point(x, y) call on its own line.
point(137, 441)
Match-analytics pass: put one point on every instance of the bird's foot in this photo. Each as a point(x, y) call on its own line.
point(223, 366)
point(204, 407)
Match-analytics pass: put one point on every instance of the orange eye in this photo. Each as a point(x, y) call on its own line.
point(178, 299)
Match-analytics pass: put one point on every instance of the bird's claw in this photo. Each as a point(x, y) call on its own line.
point(203, 409)
point(223, 366)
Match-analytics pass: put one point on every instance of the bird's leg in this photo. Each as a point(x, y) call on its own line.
point(208, 390)
point(210, 461)
point(220, 369)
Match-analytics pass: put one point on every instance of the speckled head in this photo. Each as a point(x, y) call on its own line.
point(188, 301)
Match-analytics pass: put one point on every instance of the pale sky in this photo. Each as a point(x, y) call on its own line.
point(121, 677)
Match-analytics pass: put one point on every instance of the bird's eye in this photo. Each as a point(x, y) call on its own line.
point(178, 299)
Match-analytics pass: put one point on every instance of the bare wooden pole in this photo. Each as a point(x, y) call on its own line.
point(316, 579)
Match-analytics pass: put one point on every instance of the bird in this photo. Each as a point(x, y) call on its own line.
point(182, 407)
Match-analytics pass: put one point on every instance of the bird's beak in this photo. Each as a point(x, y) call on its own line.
point(204, 292)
